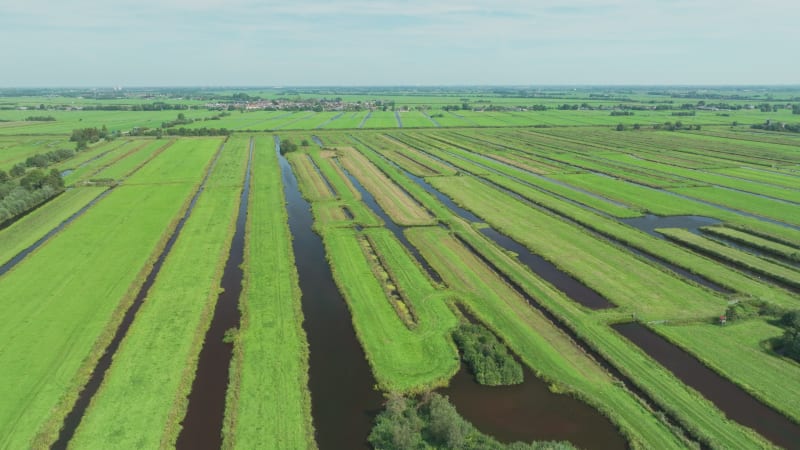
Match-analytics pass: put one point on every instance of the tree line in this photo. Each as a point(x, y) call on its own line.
point(34, 188)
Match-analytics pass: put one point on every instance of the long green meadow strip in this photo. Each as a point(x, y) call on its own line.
point(402, 208)
point(401, 359)
point(776, 210)
point(24, 232)
point(591, 201)
point(268, 402)
point(761, 176)
point(667, 251)
point(737, 257)
point(127, 165)
point(548, 351)
point(346, 193)
point(143, 396)
point(665, 204)
point(176, 164)
point(87, 169)
point(767, 376)
point(314, 185)
point(663, 249)
point(754, 241)
point(53, 338)
point(653, 293)
point(715, 179)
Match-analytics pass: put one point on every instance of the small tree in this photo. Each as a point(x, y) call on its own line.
point(304, 143)
point(620, 127)
point(18, 170)
point(636, 126)
point(287, 146)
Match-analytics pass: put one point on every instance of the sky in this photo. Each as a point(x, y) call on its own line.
point(101, 43)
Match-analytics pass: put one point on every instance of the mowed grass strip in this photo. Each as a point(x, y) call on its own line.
point(765, 207)
point(544, 348)
point(53, 338)
point(143, 396)
point(130, 163)
point(767, 376)
point(665, 204)
point(401, 359)
point(268, 402)
point(175, 165)
point(754, 241)
point(734, 256)
point(314, 184)
point(402, 208)
point(607, 269)
point(26, 231)
point(89, 168)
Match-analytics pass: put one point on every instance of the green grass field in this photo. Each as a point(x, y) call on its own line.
point(143, 396)
point(23, 233)
point(268, 402)
point(59, 332)
point(546, 167)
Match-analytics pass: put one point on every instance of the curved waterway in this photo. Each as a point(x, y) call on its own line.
point(734, 401)
point(202, 425)
point(73, 419)
point(343, 401)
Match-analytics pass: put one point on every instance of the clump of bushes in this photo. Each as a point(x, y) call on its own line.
point(432, 422)
point(789, 343)
point(487, 358)
point(287, 146)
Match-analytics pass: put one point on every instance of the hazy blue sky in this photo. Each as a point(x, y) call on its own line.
point(313, 42)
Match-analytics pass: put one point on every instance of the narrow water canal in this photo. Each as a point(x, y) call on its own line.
point(734, 401)
point(73, 418)
point(202, 425)
point(343, 400)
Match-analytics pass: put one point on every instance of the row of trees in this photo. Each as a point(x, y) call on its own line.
point(34, 188)
point(771, 125)
point(85, 136)
point(42, 160)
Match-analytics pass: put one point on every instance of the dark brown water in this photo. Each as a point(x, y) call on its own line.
point(529, 411)
point(202, 425)
point(343, 401)
point(73, 418)
point(734, 401)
